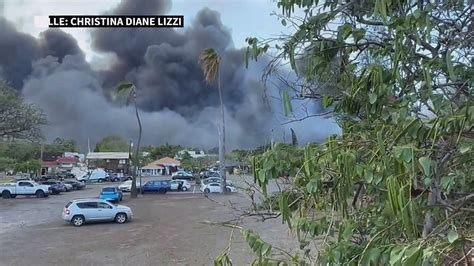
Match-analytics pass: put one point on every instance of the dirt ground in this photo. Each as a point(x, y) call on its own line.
point(169, 229)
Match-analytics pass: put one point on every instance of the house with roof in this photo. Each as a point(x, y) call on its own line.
point(193, 153)
point(163, 166)
point(57, 162)
point(111, 162)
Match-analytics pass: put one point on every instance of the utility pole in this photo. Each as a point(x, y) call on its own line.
point(41, 159)
point(89, 145)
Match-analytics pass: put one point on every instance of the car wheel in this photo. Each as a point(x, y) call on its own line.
point(228, 190)
point(6, 194)
point(207, 190)
point(39, 194)
point(100, 180)
point(121, 218)
point(184, 189)
point(116, 180)
point(13, 196)
point(77, 220)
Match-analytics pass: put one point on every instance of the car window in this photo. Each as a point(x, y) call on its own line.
point(108, 189)
point(103, 205)
point(68, 204)
point(87, 205)
point(214, 185)
point(25, 184)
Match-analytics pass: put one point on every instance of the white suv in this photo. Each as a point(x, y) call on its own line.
point(79, 211)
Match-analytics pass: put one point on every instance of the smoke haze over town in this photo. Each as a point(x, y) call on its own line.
point(175, 103)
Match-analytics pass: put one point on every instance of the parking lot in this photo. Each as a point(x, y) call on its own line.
point(167, 229)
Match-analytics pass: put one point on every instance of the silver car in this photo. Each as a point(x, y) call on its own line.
point(79, 211)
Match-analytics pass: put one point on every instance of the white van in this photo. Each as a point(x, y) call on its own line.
point(96, 175)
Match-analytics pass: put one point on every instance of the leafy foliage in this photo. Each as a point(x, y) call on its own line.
point(19, 119)
point(396, 186)
point(112, 143)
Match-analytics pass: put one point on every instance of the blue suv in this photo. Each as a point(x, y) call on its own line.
point(161, 186)
point(111, 194)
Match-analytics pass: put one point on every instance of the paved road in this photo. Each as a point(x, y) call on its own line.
point(169, 229)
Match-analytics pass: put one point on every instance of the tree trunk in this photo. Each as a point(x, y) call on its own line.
point(137, 154)
point(222, 139)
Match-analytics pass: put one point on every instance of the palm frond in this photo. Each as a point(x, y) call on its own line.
point(209, 60)
point(124, 87)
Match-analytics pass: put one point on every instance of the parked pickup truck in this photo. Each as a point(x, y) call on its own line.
point(24, 187)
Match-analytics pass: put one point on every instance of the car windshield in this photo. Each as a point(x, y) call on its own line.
point(108, 189)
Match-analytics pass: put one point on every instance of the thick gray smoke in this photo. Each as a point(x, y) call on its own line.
point(176, 105)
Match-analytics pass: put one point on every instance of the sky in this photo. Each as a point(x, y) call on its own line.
point(244, 18)
point(56, 68)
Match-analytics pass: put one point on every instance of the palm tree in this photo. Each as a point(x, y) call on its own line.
point(131, 90)
point(209, 61)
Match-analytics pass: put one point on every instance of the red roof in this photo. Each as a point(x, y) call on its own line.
point(67, 160)
point(49, 164)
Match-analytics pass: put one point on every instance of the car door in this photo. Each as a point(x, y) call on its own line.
point(25, 188)
point(105, 211)
point(214, 187)
point(174, 185)
point(89, 210)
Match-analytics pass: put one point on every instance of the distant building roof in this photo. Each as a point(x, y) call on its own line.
point(158, 164)
point(49, 164)
point(67, 160)
point(167, 161)
point(107, 155)
point(152, 166)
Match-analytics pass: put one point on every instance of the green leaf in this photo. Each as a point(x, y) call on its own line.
point(358, 34)
point(369, 176)
point(449, 66)
point(372, 98)
point(425, 163)
point(371, 257)
point(266, 249)
point(464, 148)
point(412, 255)
point(452, 236)
point(396, 255)
point(344, 32)
point(327, 101)
point(447, 183)
point(287, 108)
point(312, 186)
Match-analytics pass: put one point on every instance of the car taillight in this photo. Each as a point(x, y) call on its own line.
point(66, 211)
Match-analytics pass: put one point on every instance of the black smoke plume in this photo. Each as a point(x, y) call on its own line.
point(175, 103)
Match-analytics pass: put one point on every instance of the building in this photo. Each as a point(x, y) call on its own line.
point(194, 154)
point(112, 162)
point(163, 166)
point(57, 162)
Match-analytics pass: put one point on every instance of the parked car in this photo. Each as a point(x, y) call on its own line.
point(127, 185)
point(47, 177)
point(77, 212)
point(115, 178)
point(11, 190)
point(111, 194)
point(215, 187)
point(96, 175)
point(215, 180)
point(209, 174)
point(162, 186)
point(182, 175)
point(56, 186)
point(180, 185)
point(75, 185)
point(69, 187)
